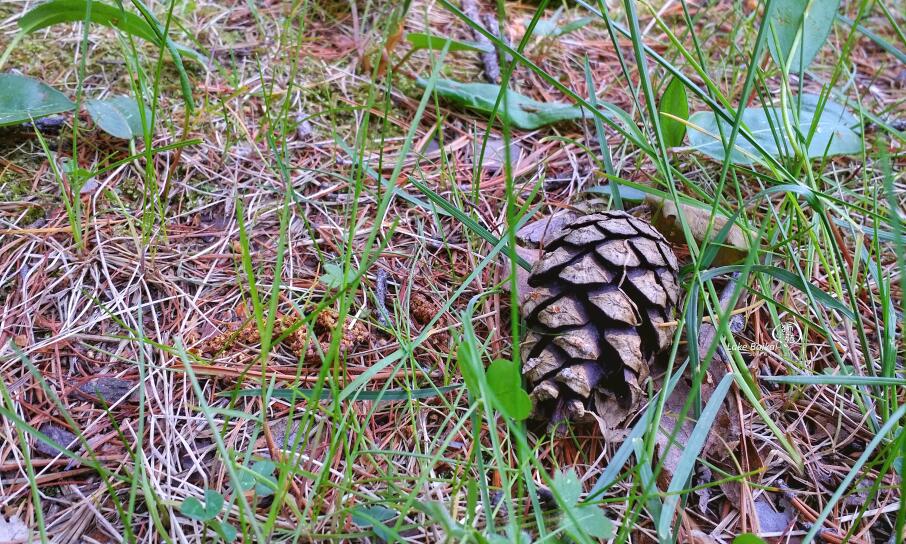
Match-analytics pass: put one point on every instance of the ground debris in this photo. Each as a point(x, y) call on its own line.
point(59, 435)
point(107, 390)
point(13, 530)
point(297, 339)
point(489, 57)
point(421, 308)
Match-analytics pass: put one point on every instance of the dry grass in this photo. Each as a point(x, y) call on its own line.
point(148, 279)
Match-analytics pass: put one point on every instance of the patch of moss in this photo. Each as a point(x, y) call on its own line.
point(33, 214)
point(13, 187)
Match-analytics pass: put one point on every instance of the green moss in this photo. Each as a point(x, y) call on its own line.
point(33, 214)
point(13, 187)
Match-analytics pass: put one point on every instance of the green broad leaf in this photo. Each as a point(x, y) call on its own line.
point(579, 520)
point(748, 538)
point(521, 111)
point(421, 40)
point(376, 517)
point(118, 116)
point(226, 531)
point(23, 99)
point(626, 192)
point(70, 11)
point(366, 516)
point(551, 26)
point(568, 487)
point(468, 367)
point(833, 133)
point(674, 102)
point(506, 384)
point(192, 507)
point(787, 18)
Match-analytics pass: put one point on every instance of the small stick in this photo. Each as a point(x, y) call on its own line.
point(381, 296)
point(707, 331)
point(489, 57)
point(493, 26)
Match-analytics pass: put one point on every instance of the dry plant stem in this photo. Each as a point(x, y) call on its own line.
point(489, 57)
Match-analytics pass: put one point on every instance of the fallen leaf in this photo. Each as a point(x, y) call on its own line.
point(107, 390)
point(57, 434)
point(495, 153)
point(770, 520)
point(522, 112)
point(13, 530)
point(667, 219)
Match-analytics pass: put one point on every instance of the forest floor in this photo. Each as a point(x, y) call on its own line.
point(210, 280)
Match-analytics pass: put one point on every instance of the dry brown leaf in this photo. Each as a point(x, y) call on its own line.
point(734, 248)
point(107, 390)
point(59, 435)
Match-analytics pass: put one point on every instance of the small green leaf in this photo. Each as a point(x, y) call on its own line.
point(674, 102)
point(365, 516)
point(118, 116)
point(551, 27)
point(833, 134)
point(578, 520)
point(261, 477)
point(506, 384)
point(226, 531)
point(421, 40)
point(568, 487)
point(748, 538)
point(521, 111)
point(593, 522)
point(23, 99)
point(787, 17)
point(627, 193)
point(192, 507)
point(265, 471)
point(466, 360)
point(333, 276)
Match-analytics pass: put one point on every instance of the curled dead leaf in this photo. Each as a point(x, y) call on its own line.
point(667, 217)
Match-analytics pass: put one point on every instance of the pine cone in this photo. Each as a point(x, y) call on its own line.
point(601, 293)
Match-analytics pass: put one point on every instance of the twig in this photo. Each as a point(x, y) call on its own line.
point(489, 57)
point(493, 26)
point(707, 331)
point(381, 296)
